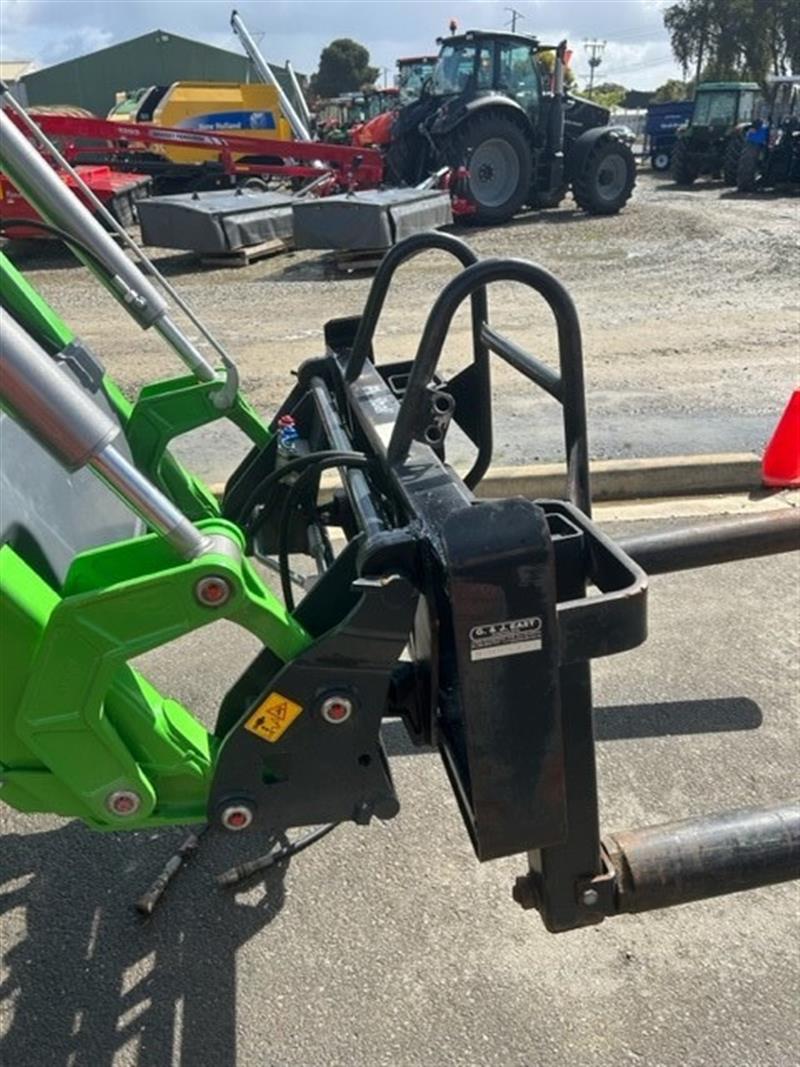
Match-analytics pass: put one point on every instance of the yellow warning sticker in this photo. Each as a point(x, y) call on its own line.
point(273, 717)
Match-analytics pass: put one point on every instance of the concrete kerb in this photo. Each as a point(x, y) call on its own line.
point(620, 479)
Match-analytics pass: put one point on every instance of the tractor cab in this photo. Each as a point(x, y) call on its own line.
point(720, 106)
point(489, 62)
point(711, 143)
point(784, 112)
point(413, 74)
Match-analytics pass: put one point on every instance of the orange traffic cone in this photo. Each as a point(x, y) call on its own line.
point(781, 463)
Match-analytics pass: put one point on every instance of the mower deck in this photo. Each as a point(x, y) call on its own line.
point(225, 221)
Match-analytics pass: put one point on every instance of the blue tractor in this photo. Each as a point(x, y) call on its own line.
point(771, 153)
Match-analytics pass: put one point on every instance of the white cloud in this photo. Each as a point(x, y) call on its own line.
point(298, 29)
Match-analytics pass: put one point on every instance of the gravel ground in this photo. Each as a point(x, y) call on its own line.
point(390, 946)
point(688, 302)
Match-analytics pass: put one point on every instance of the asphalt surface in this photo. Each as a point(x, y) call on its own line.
point(390, 945)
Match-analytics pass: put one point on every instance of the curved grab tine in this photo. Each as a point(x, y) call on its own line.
point(570, 353)
point(397, 255)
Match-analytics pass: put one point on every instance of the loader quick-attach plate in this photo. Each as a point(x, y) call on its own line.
point(217, 221)
point(504, 588)
point(501, 616)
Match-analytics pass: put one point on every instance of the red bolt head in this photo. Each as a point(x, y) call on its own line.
point(123, 802)
point(337, 709)
point(237, 817)
point(213, 591)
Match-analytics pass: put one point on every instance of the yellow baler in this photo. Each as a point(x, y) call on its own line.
point(228, 107)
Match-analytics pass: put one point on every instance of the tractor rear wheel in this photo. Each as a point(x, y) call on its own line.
point(498, 156)
point(684, 170)
point(606, 179)
point(730, 161)
point(747, 168)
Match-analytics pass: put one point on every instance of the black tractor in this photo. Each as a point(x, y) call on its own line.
point(771, 153)
point(711, 142)
point(496, 114)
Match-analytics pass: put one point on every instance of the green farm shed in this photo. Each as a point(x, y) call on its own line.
point(158, 58)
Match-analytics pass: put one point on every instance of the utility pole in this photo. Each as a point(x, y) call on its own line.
point(512, 22)
point(595, 50)
point(385, 71)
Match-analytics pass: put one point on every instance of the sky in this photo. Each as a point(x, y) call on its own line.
point(637, 52)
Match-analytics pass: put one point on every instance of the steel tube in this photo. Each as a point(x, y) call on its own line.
point(723, 542)
point(177, 339)
point(268, 77)
point(539, 373)
point(570, 352)
point(356, 483)
point(300, 95)
point(661, 866)
point(362, 344)
point(58, 205)
point(40, 184)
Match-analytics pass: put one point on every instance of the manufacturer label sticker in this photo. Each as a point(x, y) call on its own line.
point(510, 638)
point(273, 717)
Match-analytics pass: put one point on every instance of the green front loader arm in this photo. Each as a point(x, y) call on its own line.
point(82, 733)
point(80, 727)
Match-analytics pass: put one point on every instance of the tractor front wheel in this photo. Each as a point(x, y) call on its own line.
point(606, 179)
point(730, 161)
point(497, 155)
point(747, 168)
point(684, 170)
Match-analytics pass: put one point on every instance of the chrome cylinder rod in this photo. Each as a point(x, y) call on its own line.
point(56, 203)
point(225, 396)
point(58, 414)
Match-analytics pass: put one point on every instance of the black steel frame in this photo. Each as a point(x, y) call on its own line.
point(408, 514)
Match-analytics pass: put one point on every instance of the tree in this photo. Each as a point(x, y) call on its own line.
point(673, 89)
point(547, 61)
point(609, 94)
point(343, 68)
point(732, 39)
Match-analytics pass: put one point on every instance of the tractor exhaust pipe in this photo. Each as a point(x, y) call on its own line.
point(709, 856)
point(555, 130)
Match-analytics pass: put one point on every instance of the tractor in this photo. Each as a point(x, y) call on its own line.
point(412, 74)
point(771, 152)
point(509, 133)
point(711, 142)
